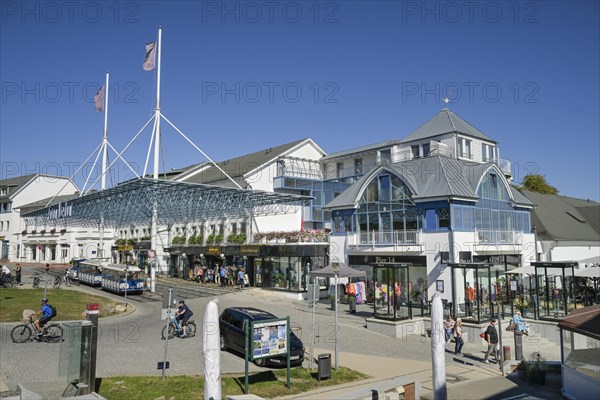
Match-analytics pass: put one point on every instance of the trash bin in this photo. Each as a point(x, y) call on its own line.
point(506, 350)
point(324, 366)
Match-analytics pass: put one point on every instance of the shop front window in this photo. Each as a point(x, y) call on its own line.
point(391, 287)
point(554, 295)
point(471, 288)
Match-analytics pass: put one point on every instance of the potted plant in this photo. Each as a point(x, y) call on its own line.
point(537, 369)
point(178, 240)
point(352, 304)
point(522, 370)
point(332, 302)
point(520, 304)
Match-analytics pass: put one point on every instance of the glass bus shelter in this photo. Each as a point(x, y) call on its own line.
point(554, 295)
point(472, 291)
point(391, 289)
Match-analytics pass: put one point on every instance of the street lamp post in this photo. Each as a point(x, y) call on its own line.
point(336, 269)
point(46, 280)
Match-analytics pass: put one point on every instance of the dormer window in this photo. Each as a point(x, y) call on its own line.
point(464, 148)
point(358, 168)
point(385, 156)
point(415, 151)
point(487, 153)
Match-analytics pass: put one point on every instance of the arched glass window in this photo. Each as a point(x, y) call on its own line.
point(494, 212)
point(386, 210)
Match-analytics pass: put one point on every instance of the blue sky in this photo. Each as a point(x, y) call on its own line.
point(238, 77)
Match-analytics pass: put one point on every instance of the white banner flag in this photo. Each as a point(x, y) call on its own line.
point(150, 60)
point(99, 100)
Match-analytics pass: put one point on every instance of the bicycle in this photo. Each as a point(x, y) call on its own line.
point(64, 279)
point(175, 329)
point(36, 280)
point(51, 333)
point(8, 281)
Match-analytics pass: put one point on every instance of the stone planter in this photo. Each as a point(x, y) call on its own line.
point(352, 307)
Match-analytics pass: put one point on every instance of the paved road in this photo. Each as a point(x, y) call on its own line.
point(131, 344)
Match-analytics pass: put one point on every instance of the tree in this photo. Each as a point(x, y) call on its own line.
point(538, 184)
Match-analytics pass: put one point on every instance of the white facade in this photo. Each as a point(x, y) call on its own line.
point(21, 191)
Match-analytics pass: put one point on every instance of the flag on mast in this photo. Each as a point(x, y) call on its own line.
point(150, 60)
point(99, 100)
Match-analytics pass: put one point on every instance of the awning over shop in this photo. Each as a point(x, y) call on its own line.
point(176, 202)
point(343, 272)
point(585, 321)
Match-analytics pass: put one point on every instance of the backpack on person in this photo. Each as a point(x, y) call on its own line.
point(53, 309)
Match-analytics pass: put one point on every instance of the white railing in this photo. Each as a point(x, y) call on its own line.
point(441, 149)
point(496, 237)
point(388, 237)
point(505, 166)
point(299, 168)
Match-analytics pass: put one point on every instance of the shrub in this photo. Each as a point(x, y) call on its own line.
point(178, 240)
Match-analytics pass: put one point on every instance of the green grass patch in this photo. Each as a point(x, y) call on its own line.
point(267, 384)
point(70, 304)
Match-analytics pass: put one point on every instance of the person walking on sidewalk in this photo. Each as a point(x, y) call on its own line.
point(449, 327)
point(491, 336)
point(458, 339)
point(18, 274)
point(223, 275)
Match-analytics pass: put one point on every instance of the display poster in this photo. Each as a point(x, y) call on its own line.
point(513, 286)
point(269, 338)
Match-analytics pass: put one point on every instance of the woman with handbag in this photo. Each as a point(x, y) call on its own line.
point(520, 325)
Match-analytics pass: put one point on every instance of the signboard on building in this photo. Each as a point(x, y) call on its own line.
point(249, 250)
point(142, 245)
point(61, 210)
point(125, 247)
point(213, 250)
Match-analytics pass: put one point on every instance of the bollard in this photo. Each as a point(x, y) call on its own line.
point(506, 350)
point(518, 345)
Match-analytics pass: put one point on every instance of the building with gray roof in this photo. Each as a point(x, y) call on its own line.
point(567, 229)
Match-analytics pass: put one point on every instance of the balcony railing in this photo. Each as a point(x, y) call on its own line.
point(505, 166)
point(299, 168)
point(497, 237)
point(403, 237)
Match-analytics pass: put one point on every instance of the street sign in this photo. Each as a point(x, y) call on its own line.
point(335, 266)
point(164, 365)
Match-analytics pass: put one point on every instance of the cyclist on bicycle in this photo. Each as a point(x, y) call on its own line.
point(5, 274)
point(183, 314)
point(46, 313)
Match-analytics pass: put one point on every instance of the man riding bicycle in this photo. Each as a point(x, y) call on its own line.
point(183, 314)
point(46, 312)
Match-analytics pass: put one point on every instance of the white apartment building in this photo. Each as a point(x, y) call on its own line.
point(16, 192)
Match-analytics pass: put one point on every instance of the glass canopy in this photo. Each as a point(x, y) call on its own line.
point(133, 202)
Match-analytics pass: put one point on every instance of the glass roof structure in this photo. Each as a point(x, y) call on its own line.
point(131, 203)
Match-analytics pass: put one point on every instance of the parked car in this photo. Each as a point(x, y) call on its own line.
point(232, 335)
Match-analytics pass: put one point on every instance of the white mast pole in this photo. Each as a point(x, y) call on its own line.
point(154, 226)
point(100, 250)
point(105, 135)
point(157, 108)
